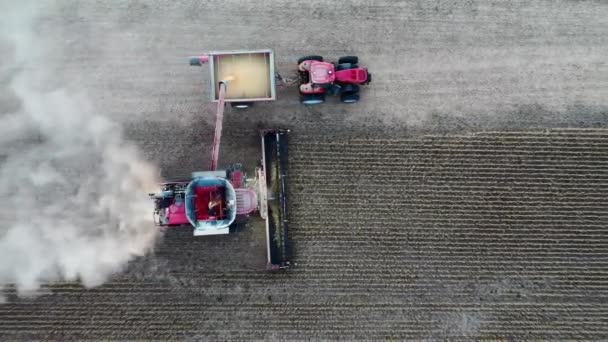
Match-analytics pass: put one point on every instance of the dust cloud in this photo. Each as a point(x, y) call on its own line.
point(73, 191)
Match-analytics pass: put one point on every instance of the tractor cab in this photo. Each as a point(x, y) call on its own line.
point(321, 72)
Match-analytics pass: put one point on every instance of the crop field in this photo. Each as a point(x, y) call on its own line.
point(488, 235)
point(465, 197)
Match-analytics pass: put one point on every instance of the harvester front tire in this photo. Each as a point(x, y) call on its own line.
point(348, 59)
point(309, 58)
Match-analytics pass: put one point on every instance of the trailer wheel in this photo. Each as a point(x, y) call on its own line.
point(348, 59)
point(312, 99)
point(311, 57)
point(241, 105)
point(349, 98)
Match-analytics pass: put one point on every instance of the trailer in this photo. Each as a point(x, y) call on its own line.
point(211, 201)
point(255, 70)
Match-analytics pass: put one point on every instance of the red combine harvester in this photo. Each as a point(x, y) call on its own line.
point(211, 201)
point(317, 78)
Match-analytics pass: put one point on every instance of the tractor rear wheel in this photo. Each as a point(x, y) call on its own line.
point(350, 89)
point(312, 99)
point(349, 97)
point(308, 58)
point(348, 59)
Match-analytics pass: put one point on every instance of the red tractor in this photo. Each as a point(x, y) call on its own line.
point(317, 78)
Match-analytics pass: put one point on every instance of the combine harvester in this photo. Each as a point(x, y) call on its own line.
point(212, 201)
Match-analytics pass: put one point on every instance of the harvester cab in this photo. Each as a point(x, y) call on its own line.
point(344, 78)
point(212, 201)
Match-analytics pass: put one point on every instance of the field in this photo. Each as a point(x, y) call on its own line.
point(488, 235)
point(465, 197)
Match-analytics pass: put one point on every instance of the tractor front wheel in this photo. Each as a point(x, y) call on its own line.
point(312, 99)
point(348, 59)
point(349, 97)
point(310, 58)
point(350, 89)
point(345, 66)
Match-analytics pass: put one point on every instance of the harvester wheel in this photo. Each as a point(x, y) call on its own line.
point(348, 59)
point(312, 99)
point(308, 58)
point(349, 98)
